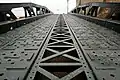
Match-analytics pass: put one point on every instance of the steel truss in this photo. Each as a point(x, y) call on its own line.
point(11, 22)
point(19, 48)
point(60, 57)
point(100, 47)
point(60, 47)
point(91, 11)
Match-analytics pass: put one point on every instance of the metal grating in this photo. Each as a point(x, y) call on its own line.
point(17, 55)
point(60, 47)
point(60, 58)
point(100, 45)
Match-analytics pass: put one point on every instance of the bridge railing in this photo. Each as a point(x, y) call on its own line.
point(105, 14)
point(8, 19)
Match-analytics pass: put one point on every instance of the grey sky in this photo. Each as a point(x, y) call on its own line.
point(56, 6)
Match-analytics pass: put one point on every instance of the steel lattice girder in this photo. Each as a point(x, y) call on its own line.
point(113, 25)
point(92, 13)
point(98, 4)
point(6, 26)
point(10, 22)
point(101, 47)
point(60, 48)
point(9, 6)
point(20, 47)
point(60, 58)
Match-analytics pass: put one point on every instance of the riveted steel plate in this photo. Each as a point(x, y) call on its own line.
point(60, 57)
point(21, 46)
point(101, 47)
point(60, 47)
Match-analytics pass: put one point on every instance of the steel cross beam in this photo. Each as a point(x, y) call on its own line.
point(7, 7)
point(60, 58)
point(10, 22)
point(20, 48)
point(111, 22)
point(100, 47)
point(99, 4)
point(115, 8)
point(60, 47)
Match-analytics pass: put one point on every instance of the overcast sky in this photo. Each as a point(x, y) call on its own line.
point(56, 6)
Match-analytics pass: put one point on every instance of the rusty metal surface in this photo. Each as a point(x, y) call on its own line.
point(100, 12)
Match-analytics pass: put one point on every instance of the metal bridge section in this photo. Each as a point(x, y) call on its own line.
point(9, 21)
point(19, 48)
point(101, 47)
point(60, 58)
point(59, 47)
point(106, 14)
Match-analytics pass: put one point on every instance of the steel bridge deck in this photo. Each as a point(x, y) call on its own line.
point(60, 47)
